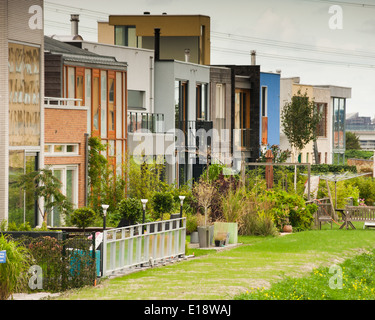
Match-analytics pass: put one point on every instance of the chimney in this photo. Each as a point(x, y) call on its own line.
point(74, 19)
point(157, 44)
point(187, 55)
point(253, 57)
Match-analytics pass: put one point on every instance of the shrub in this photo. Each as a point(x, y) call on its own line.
point(129, 209)
point(300, 215)
point(13, 273)
point(162, 202)
point(233, 204)
point(191, 223)
point(82, 217)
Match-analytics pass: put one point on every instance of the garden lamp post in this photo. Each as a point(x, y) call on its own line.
point(144, 201)
point(105, 207)
point(182, 198)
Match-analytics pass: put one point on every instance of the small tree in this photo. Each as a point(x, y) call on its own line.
point(162, 203)
point(129, 209)
point(352, 141)
point(83, 217)
point(204, 192)
point(300, 119)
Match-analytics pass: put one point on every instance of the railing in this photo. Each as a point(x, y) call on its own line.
point(53, 101)
point(153, 122)
point(195, 132)
point(147, 243)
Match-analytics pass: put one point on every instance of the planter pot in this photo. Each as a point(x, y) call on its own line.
point(206, 236)
point(287, 228)
point(194, 237)
point(228, 227)
point(219, 243)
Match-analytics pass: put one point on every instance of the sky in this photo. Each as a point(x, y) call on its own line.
point(324, 42)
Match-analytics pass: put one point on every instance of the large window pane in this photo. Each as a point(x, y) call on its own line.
point(95, 104)
point(111, 104)
point(103, 105)
point(24, 95)
point(16, 194)
point(119, 106)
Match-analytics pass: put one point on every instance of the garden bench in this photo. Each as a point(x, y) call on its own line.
point(364, 214)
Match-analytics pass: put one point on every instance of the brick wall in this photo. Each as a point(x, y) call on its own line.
point(67, 126)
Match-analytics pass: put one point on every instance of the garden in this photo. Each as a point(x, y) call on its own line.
point(250, 271)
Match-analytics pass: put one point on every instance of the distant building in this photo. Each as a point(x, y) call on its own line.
point(331, 103)
point(181, 35)
point(363, 128)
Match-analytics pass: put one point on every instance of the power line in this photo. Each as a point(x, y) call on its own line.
point(294, 58)
point(291, 45)
point(354, 4)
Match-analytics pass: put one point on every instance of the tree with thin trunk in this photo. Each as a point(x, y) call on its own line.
point(300, 119)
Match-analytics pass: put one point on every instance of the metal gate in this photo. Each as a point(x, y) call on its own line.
point(140, 244)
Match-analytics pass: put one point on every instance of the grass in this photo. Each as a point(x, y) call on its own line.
point(258, 263)
point(353, 279)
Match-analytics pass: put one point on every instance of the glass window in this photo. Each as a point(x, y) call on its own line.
point(322, 125)
point(24, 95)
point(264, 101)
point(79, 86)
point(71, 84)
point(111, 104)
point(58, 148)
point(125, 36)
point(136, 99)
point(119, 105)
point(103, 105)
point(95, 104)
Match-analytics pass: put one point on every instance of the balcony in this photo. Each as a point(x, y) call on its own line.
point(152, 122)
point(195, 133)
point(62, 102)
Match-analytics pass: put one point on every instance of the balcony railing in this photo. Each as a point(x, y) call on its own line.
point(195, 133)
point(53, 101)
point(153, 122)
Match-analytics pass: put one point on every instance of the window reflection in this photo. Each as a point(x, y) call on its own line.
point(24, 95)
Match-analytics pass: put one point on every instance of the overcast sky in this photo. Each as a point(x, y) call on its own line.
point(299, 37)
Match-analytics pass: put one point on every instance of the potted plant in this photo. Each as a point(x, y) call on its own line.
point(287, 227)
point(204, 192)
point(192, 227)
point(220, 239)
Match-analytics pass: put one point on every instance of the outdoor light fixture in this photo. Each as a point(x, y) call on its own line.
point(144, 201)
point(105, 207)
point(181, 203)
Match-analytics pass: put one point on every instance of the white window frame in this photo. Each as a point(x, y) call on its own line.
point(265, 102)
point(50, 152)
point(64, 169)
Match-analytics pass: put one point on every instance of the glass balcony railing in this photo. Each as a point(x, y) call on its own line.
point(152, 122)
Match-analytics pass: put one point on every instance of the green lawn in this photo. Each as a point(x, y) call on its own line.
point(256, 264)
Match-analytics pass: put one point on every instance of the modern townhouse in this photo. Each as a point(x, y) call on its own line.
point(21, 98)
point(180, 34)
point(330, 101)
point(85, 96)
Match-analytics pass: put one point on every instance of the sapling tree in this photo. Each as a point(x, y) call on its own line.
point(300, 119)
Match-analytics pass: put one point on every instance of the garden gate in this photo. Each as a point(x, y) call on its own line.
point(140, 244)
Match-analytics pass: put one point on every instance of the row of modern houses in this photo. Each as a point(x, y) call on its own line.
point(147, 88)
